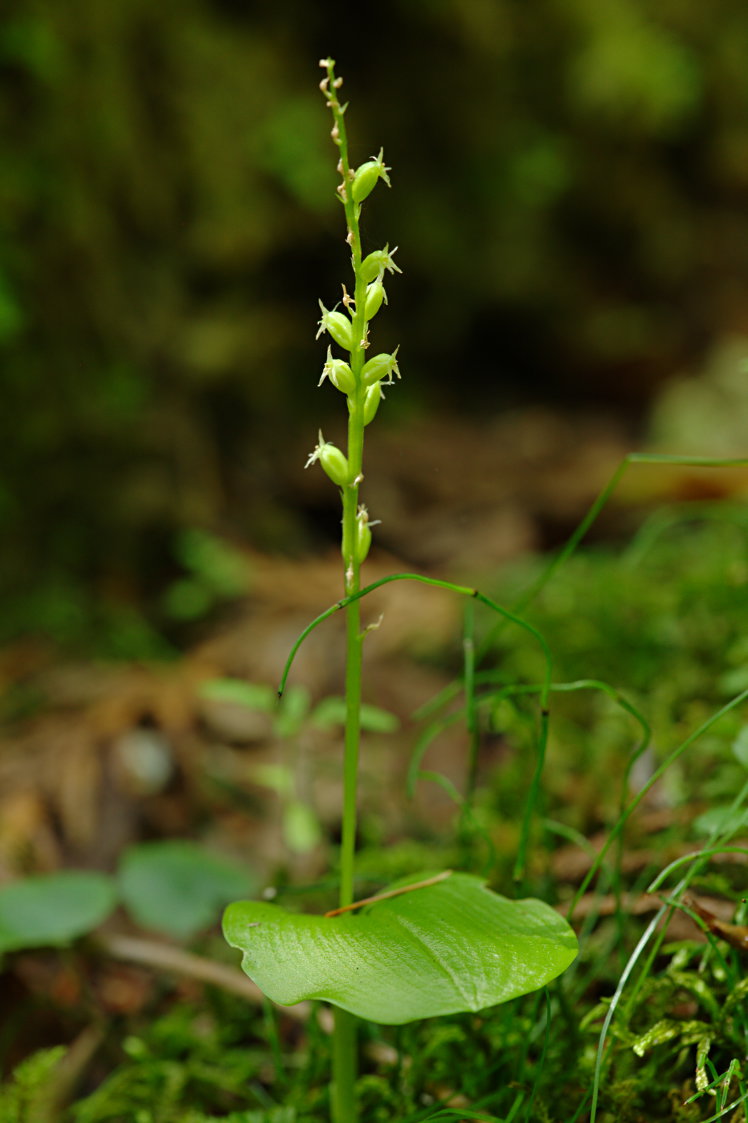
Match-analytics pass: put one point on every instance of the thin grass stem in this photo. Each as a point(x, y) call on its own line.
point(653, 779)
point(652, 926)
point(471, 710)
point(544, 690)
point(581, 530)
point(593, 512)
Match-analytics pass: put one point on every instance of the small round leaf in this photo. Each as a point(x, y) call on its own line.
point(178, 887)
point(444, 948)
point(53, 908)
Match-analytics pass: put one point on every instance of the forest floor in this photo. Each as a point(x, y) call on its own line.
point(96, 757)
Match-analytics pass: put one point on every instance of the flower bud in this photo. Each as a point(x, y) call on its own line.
point(335, 464)
point(365, 178)
point(375, 264)
point(362, 539)
point(339, 373)
point(338, 325)
point(375, 294)
point(379, 367)
point(333, 461)
point(372, 399)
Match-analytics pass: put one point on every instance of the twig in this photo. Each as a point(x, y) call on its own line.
point(164, 957)
point(391, 893)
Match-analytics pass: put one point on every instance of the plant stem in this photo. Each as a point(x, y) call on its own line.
point(350, 759)
point(471, 708)
point(344, 1068)
point(344, 1047)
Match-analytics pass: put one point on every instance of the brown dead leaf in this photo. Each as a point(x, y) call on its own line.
point(734, 934)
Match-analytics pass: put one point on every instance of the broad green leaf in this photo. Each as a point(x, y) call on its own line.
point(278, 777)
point(178, 887)
point(331, 712)
point(224, 570)
point(301, 828)
point(448, 947)
point(376, 720)
point(294, 707)
point(721, 821)
point(53, 908)
point(253, 695)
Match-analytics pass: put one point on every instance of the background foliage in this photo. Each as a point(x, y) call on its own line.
point(571, 183)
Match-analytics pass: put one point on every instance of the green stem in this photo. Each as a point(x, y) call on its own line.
point(350, 760)
point(353, 659)
point(462, 590)
point(698, 861)
point(344, 1048)
point(344, 1067)
point(471, 708)
point(657, 775)
point(544, 690)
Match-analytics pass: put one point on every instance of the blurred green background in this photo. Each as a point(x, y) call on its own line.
point(570, 195)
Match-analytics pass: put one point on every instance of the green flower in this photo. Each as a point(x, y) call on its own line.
point(367, 176)
point(333, 461)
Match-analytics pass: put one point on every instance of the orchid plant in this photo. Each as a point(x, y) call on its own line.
point(439, 942)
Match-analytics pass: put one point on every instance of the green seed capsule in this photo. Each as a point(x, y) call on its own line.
point(338, 325)
point(339, 373)
point(381, 366)
point(335, 464)
point(332, 460)
point(375, 263)
point(364, 181)
point(363, 539)
point(375, 294)
point(365, 178)
point(341, 377)
point(371, 402)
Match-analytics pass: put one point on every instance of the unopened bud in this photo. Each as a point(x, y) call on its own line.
point(363, 536)
point(365, 178)
point(371, 402)
point(375, 263)
point(333, 461)
point(379, 367)
point(338, 325)
point(339, 373)
point(362, 539)
point(375, 294)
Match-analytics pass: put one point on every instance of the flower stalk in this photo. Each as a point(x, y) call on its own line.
point(361, 382)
